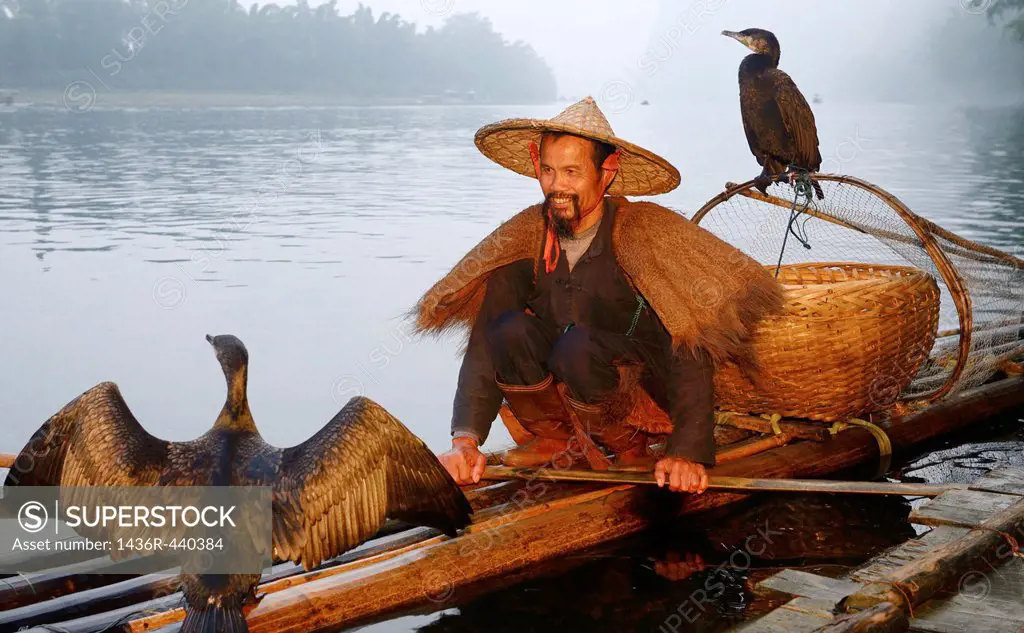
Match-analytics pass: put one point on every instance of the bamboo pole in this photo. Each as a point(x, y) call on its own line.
point(73, 602)
point(69, 580)
point(881, 618)
point(733, 484)
point(753, 446)
point(7, 460)
point(110, 621)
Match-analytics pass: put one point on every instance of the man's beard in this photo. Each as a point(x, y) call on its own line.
point(564, 227)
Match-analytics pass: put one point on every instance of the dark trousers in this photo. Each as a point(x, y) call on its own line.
point(524, 350)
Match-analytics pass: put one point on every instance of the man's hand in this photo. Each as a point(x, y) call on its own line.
point(681, 474)
point(464, 462)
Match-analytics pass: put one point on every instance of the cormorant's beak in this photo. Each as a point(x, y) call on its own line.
point(736, 36)
point(209, 339)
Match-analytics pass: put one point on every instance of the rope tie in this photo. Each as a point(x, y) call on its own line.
point(774, 419)
point(1010, 540)
point(724, 417)
point(903, 591)
point(802, 188)
point(884, 444)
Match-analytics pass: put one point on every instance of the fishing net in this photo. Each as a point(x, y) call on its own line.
point(980, 322)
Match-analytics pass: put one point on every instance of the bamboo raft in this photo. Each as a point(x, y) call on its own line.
point(517, 523)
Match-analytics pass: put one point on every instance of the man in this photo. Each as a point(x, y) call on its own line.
point(568, 295)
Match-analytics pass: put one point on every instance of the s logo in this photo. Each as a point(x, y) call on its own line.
point(32, 516)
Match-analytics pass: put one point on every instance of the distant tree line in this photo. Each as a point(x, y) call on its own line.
point(217, 45)
point(1010, 10)
point(969, 54)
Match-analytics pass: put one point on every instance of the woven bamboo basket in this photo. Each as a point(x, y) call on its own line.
point(852, 337)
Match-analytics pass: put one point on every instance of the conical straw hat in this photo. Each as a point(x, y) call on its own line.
point(641, 172)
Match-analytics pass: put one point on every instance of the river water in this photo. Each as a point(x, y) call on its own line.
point(130, 233)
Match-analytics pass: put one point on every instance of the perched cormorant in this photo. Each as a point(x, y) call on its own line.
point(776, 118)
point(330, 493)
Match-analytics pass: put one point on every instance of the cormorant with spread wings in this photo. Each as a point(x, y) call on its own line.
point(777, 120)
point(330, 493)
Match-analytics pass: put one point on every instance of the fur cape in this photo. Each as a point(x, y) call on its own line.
point(707, 293)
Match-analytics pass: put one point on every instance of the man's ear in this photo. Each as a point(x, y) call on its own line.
point(612, 161)
point(610, 167)
point(535, 157)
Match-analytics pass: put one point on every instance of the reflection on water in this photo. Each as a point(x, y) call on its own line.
point(280, 179)
point(994, 198)
point(129, 234)
point(965, 456)
point(696, 574)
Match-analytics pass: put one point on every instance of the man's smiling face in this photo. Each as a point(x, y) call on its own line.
point(570, 178)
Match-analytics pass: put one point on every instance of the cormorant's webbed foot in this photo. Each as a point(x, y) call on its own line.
point(793, 173)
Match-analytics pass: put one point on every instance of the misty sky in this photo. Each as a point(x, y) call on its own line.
point(664, 47)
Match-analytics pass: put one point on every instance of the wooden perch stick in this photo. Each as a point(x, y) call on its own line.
point(734, 484)
point(971, 250)
point(745, 484)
